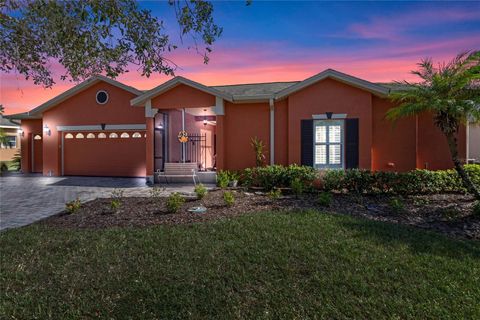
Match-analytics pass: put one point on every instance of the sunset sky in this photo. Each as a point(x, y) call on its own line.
point(282, 41)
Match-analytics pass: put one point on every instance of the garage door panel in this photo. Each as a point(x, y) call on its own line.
point(121, 157)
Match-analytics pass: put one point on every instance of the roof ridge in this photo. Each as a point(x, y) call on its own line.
point(253, 83)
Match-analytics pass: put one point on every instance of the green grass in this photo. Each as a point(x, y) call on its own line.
point(267, 266)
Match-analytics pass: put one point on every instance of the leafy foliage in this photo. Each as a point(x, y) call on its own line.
point(476, 208)
point(96, 37)
point(397, 205)
point(3, 166)
point(277, 176)
point(275, 194)
point(174, 202)
point(73, 206)
point(324, 199)
point(200, 191)
point(297, 187)
point(16, 163)
point(228, 198)
point(116, 201)
point(412, 182)
point(258, 147)
point(451, 93)
point(223, 178)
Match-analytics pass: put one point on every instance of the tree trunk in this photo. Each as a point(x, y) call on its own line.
point(467, 182)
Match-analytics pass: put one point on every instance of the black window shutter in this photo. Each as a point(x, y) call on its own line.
point(307, 142)
point(351, 143)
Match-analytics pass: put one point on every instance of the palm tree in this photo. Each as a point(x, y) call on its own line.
point(451, 93)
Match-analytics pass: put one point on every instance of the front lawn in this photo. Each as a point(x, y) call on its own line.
point(268, 265)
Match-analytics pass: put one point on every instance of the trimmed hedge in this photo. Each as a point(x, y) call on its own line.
point(412, 182)
point(358, 180)
point(277, 176)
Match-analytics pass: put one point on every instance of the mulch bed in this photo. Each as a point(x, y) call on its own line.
point(449, 214)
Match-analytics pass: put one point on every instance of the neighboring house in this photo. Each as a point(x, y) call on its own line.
point(12, 145)
point(102, 127)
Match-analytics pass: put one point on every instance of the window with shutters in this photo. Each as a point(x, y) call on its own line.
point(328, 144)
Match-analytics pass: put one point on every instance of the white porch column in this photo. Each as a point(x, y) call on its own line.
point(183, 129)
point(272, 131)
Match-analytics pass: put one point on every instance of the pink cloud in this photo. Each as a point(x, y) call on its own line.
point(392, 27)
point(264, 62)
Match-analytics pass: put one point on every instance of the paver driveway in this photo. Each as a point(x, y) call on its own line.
point(26, 199)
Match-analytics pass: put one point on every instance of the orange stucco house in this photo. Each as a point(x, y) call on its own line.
point(102, 127)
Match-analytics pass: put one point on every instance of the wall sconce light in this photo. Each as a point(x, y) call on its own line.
point(204, 117)
point(20, 132)
point(47, 131)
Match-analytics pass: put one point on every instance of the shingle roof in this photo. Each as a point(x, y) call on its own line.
point(8, 123)
point(255, 89)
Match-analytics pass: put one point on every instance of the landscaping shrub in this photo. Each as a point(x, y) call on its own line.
point(275, 194)
point(3, 167)
point(324, 199)
point(73, 206)
point(116, 201)
point(476, 208)
point(276, 176)
point(397, 205)
point(115, 204)
point(297, 187)
point(258, 147)
point(358, 180)
point(228, 198)
point(412, 182)
point(175, 202)
point(223, 178)
point(200, 191)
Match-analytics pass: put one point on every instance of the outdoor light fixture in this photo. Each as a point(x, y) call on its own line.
point(204, 118)
point(20, 132)
point(47, 131)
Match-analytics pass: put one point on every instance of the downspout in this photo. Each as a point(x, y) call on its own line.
point(183, 129)
point(272, 131)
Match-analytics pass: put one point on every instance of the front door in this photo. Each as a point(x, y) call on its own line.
point(160, 141)
point(37, 153)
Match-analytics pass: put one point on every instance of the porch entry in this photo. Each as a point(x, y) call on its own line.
point(199, 147)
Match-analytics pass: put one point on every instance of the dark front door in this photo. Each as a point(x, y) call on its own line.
point(160, 141)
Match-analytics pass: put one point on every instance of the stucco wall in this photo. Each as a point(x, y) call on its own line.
point(474, 142)
point(7, 153)
point(394, 143)
point(29, 127)
point(82, 109)
point(241, 123)
point(433, 152)
point(330, 96)
point(183, 96)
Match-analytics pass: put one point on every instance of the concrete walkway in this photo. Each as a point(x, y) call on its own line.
point(25, 199)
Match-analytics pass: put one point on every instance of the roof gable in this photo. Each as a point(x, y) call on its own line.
point(339, 76)
point(77, 89)
point(172, 83)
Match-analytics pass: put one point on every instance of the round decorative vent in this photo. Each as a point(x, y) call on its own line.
point(102, 97)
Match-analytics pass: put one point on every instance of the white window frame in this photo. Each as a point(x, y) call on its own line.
point(8, 145)
point(102, 91)
point(327, 143)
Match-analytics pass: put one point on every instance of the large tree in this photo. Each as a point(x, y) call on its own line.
point(450, 92)
point(89, 37)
